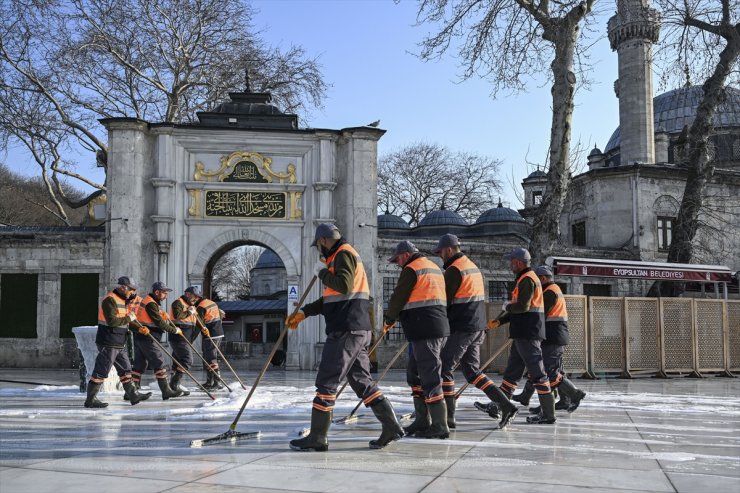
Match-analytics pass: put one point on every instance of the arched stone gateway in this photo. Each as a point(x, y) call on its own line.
point(180, 195)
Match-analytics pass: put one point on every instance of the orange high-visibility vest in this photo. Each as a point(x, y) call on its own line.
point(360, 289)
point(188, 321)
point(471, 288)
point(143, 316)
point(429, 289)
point(558, 312)
point(121, 309)
point(211, 309)
point(538, 303)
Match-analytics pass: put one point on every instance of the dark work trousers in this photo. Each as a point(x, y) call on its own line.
point(525, 355)
point(180, 349)
point(424, 370)
point(151, 355)
point(209, 349)
point(345, 356)
point(462, 348)
point(108, 357)
point(552, 357)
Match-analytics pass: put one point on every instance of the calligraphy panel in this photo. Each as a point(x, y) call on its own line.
point(245, 171)
point(270, 205)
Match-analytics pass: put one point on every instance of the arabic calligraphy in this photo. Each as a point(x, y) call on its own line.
point(245, 204)
point(245, 171)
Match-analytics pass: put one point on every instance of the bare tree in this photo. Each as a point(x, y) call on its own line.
point(64, 65)
point(511, 43)
point(423, 177)
point(701, 44)
point(231, 276)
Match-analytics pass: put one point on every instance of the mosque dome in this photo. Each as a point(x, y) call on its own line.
point(674, 109)
point(538, 173)
point(390, 221)
point(595, 152)
point(443, 217)
point(499, 214)
point(269, 260)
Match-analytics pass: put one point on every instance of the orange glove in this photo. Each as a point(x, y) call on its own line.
point(164, 315)
point(205, 332)
point(293, 320)
point(493, 324)
point(388, 327)
point(143, 331)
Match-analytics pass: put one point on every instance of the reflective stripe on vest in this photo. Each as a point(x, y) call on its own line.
point(537, 304)
point(429, 289)
point(143, 316)
point(121, 309)
point(360, 289)
point(211, 309)
point(471, 288)
point(558, 312)
point(188, 321)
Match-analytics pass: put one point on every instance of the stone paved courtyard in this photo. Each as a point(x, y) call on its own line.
point(629, 435)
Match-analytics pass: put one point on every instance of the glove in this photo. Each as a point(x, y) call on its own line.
point(178, 331)
point(388, 327)
point(221, 314)
point(143, 331)
point(131, 316)
point(388, 321)
point(192, 310)
point(164, 315)
point(493, 324)
point(505, 306)
point(318, 267)
point(205, 332)
point(293, 320)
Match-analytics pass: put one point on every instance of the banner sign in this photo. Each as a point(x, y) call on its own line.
point(638, 272)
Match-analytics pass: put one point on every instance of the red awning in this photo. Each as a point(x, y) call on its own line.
point(626, 269)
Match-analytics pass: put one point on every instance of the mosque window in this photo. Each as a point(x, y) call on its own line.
point(18, 299)
point(665, 232)
point(537, 197)
point(389, 284)
point(578, 233)
point(498, 291)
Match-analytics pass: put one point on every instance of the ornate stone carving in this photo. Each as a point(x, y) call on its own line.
point(245, 166)
point(633, 21)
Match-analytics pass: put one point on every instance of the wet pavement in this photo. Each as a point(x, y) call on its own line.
point(628, 435)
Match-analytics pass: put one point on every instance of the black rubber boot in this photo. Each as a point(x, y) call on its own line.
point(132, 395)
point(422, 420)
point(316, 439)
point(392, 429)
point(526, 394)
point(547, 404)
point(167, 392)
point(209, 381)
point(216, 382)
point(490, 408)
point(438, 428)
point(563, 403)
point(175, 383)
point(450, 402)
point(508, 410)
point(92, 401)
point(574, 394)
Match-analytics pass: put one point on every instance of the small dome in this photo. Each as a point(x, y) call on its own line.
point(443, 217)
point(269, 260)
point(389, 221)
point(538, 173)
point(595, 152)
point(499, 214)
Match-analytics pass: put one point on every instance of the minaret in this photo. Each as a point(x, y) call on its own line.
point(632, 32)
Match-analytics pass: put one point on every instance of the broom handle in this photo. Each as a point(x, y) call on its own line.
point(272, 353)
point(386, 329)
point(484, 367)
point(201, 358)
point(203, 326)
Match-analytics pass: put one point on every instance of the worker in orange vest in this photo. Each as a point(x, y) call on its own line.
point(466, 312)
point(213, 333)
point(525, 313)
point(344, 304)
point(419, 301)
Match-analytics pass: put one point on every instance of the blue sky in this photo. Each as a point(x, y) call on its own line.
point(366, 51)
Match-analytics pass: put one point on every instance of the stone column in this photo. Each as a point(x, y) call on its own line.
point(632, 32)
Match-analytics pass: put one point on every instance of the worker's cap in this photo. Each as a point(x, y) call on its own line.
point(543, 270)
point(128, 282)
point(445, 241)
point(160, 286)
point(193, 290)
point(326, 230)
point(519, 253)
point(403, 247)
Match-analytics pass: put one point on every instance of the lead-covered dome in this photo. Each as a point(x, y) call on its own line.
point(269, 260)
point(443, 217)
point(499, 214)
point(390, 221)
point(674, 109)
